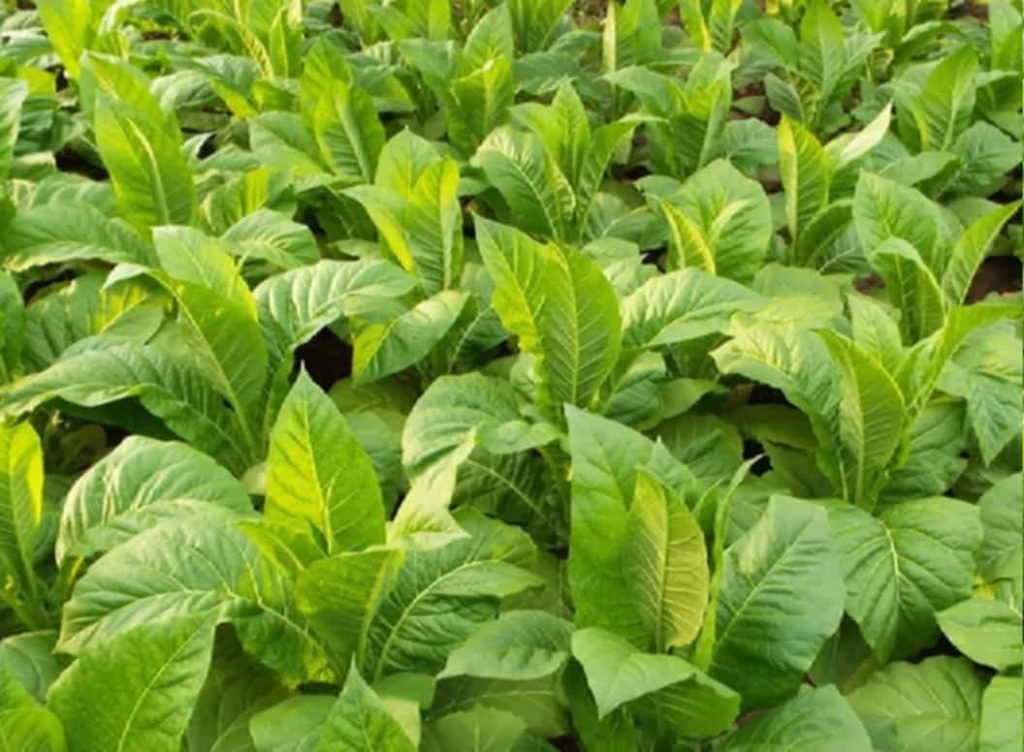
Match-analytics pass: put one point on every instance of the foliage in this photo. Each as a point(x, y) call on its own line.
point(506, 375)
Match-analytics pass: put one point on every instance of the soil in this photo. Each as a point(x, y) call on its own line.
point(998, 274)
point(69, 160)
point(326, 358)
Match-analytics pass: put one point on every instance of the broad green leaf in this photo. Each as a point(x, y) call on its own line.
point(69, 27)
point(340, 595)
point(731, 213)
point(13, 330)
point(479, 103)
point(293, 306)
point(688, 246)
point(293, 725)
point(699, 708)
point(423, 520)
point(151, 178)
point(359, 720)
point(236, 688)
point(538, 702)
point(529, 179)
point(318, 473)
point(1001, 715)
point(486, 729)
point(845, 150)
point(870, 420)
point(384, 348)
point(946, 102)
point(440, 596)
point(69, 318)
point(561, 307)
point(986, 154)
point(615, 732)
point(56, 233)
point(903, 567)
point(21, 504)
point(173, 389)
point(822, 231)
point(216, 305)
point(12, 95)
point(921, 707)
point(416, 210)
point(934, 461)
point(491, 37)
point(805, 171)
point(347, 131)
point(282, 143)
point(780, 599)
point(665, 565)
point(198, 566)
point(618, 672)
point(137, 485)
point(455, 409)
point(987, 374)
point(1002, 517)
point(875, 331)
point(910, 286)
point(986, 631)
point(266, 235)
point(31, 728)
point(927, 360)
point(606, 457)
point(884, 209)
point(796, 362)
point(823, 47)
point(138, 691)
point(28, 657)
point(519, 645)
point(969, 251)
point(664, 689)
point(816, 719)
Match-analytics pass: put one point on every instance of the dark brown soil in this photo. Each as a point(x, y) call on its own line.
point(326, 358)
point(998, 274)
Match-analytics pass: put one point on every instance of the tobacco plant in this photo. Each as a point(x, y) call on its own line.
point(510, 375)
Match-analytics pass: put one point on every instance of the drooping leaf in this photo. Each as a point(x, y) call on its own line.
point(518, 646)
point(198, 566)
point(987, 631)
point(618, 672)
point(384, 348)
point(486, 729)
point(174, 390)
point(138, 484)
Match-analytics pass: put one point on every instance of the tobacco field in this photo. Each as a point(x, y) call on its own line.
point(515, 376)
